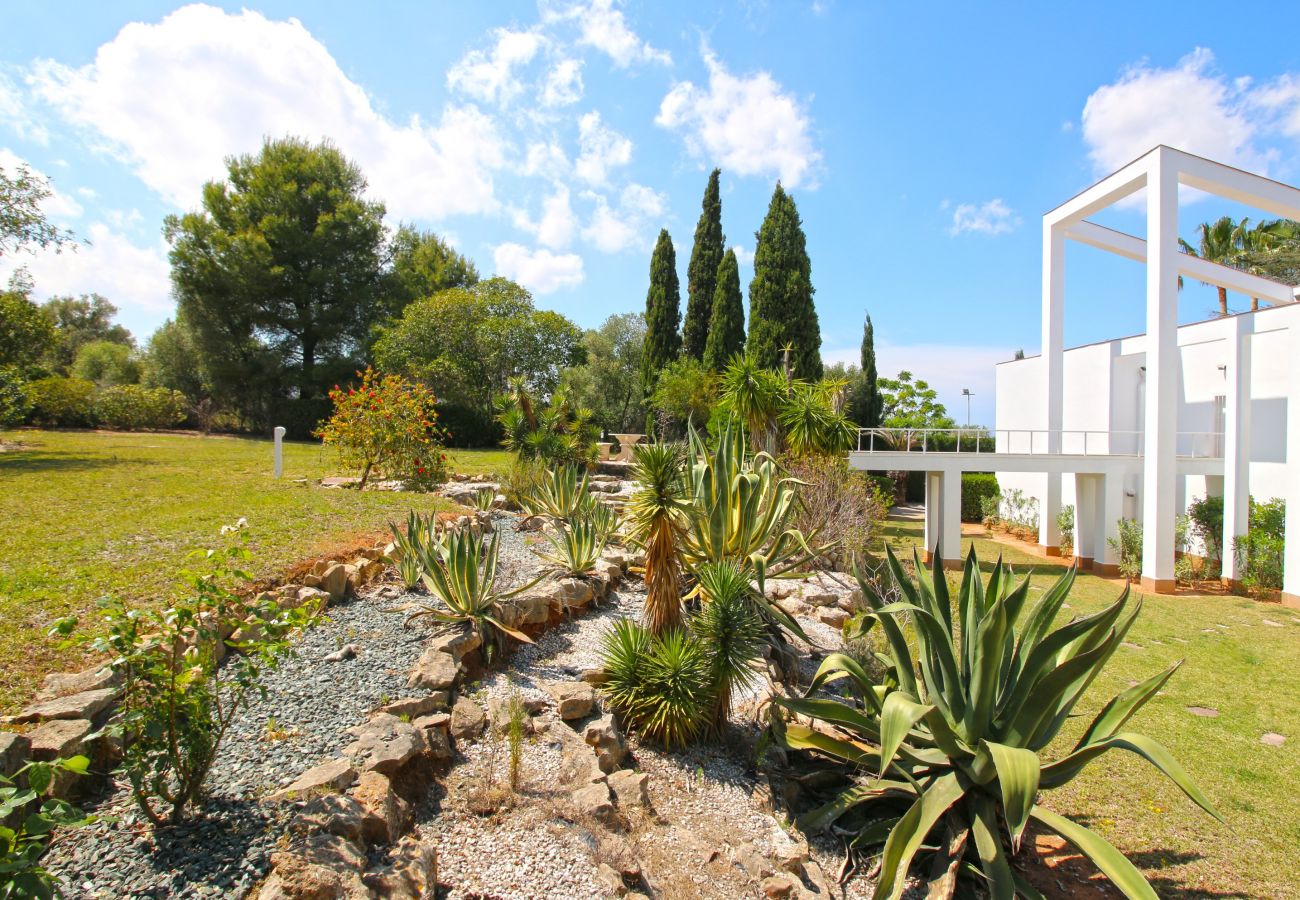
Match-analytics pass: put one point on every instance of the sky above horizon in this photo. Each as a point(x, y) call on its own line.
point(550, 142)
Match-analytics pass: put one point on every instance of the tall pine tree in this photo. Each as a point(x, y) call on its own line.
point(663, 312)
point(781, 310)
point(702, 273)
point(866, 406)
point(727, 324)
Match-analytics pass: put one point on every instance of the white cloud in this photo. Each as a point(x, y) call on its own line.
point(14, 113)
point(991, 218)
point(743, 256)
point(563, 83)
point(546, 159)
point(174, 98)
point(627, 226)
point(605, 28)
point(541, 271)
point(558, 223)
point(601, 149)
point(745, 124)
point(137, 279)
point(488, 75)
point(58, 206)
point(1191, 107)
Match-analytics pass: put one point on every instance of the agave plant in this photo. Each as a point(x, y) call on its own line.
point(576, 547)
point(483, 500)
point(461, 571)
point(730, 633)
point(658, 511)
point(560, 495)
point(413, 544)
point(948, 762)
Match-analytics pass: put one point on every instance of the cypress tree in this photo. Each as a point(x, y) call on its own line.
point(663, 312)
point(781, 307)
point(702, 273)
point(867, 403)
point(727, 324)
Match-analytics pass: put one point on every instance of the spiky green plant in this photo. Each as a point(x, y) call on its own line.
point(754, 394)
point(730, 632)
point(604, 518)
point(560, 495)
point(557, 432)
point(461, 571)
point(576, 547)
point(658, 511)
point(660, 684)
point(483, 500)
point(811, 422)
point(413, 544)
point(409, 569)
point(948, 762)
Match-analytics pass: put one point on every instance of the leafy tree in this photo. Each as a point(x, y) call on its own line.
point(703, 272)
point(727, 325)
point(423, 264)
point(686, 392)
point(911, 403)
point(609, 383)
point(865, 401)
point(781, 311)
point(1223, 241)
point(279, 273)
point(26, 331)
point(171, 360)
point(467, 343)
point(80, 320)
point(23, 225)
point(663, 313)
point(107, 364)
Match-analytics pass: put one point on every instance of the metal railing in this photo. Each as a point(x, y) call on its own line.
point(1073, 441)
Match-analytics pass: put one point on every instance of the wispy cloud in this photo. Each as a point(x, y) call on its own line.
point(993, 217)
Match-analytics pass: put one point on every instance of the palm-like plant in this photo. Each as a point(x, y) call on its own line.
point(730, 632)
point(947, 762)
point(754, 394)
point(1226, 241)
point(660, 683)
point(811, 421)
point(461, 571)
point(658, 512)
point(576, 547)
point(557, 432)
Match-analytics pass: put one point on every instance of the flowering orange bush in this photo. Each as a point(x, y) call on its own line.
point(389, 425)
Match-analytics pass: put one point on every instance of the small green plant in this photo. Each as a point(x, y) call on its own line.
point(413, 544)
point(605, 519)
point(274, 731)
point(27, 823)
point(659, 683)
point(1065, 524)
point(731, 633)
point(516, 728)
point(1262, 550)
point(991, 510)
point(176, 706)
point(1128, 544)
point(944, 755)
point(1207, 525)
point(576, 547)
point(483, 500)
point(461, 572)
point(560, 495)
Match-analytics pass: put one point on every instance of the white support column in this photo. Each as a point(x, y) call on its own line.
point(1086, 519)
point(1053, 346)
point(1159, 477)
point(1236, 440)
point(933, 512)
point(950, 531)
point(1291, 558)
point(1049, 532)
point(1112, 510)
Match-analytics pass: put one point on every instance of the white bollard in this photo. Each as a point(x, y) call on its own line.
point(279, 451)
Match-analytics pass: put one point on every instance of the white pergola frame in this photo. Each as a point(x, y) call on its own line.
point(1161, 171)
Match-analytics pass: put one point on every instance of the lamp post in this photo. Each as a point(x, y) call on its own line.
point(966, 392)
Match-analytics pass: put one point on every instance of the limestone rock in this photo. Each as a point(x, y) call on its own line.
point(85, 705)
point(414, 707)
point(616, 556)
point(603, 735)
point(456, 644)
point(467, 719)
point(609, 877)
point(58, 738)
point(777, 887)
point(434, 671)
point(313, 598)
point(325, 867)
point(499, 714)
point(573, 699)
point(61, 684)
point(630, 788)
point(334, 581)
point(573, 593)
point(832, 616)
point(594, 800)
point(332, 775)
point(754, 863)
point(385, 812)
point(410, 873)
point(437, 735)
point(15, 750)
point(384, 744)
point(347, 651)
point(793, 606)
point(331, 814)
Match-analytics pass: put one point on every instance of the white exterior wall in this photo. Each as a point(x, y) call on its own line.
point(1103, 388)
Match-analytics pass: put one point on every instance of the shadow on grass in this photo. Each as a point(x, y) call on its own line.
point(37, 461)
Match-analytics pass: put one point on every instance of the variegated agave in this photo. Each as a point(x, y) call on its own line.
point(461, 571)
point(413, 545)
point(575, 548)
point(561, 495)
point(947, 762)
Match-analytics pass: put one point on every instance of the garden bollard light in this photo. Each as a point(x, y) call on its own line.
point(279, 450)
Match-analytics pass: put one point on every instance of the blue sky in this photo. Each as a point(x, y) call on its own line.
point(551, 141)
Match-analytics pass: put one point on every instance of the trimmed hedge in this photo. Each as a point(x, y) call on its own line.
point(62, 402)
point(975, 486)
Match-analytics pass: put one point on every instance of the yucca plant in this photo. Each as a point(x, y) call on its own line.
point(660, 683)
point(576, 547)
point(730, 633)
point(461, 571)
point(658, 511)
point(811, 422)
point(947, 762)
point(560, 495)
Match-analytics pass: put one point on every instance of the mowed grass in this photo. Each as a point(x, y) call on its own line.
point(92, 513)
point(1241, 658)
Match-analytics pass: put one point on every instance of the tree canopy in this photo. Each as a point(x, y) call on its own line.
point(421, 265)
point(23, 224)
point(663, 312)
point(727, 324)
point(781, 311)
point(864, 391)
point(908, 402)
point(609, 383)
point(80, 320)
point(27, 331)
point(702, 272)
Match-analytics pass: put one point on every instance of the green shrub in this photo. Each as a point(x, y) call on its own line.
point(1207, 524)
point(658, 684)
point(942, 758)
point(176, 705)
point(1261, 551)
point(1065, 525)
point(731, 633)
point(1128, 544)
point(991, 510)
point(976, 487)
point(107, 364)
point(129, 407)
point(842, 506)
point(558, 433)
point(62, 402)
point(15, 399)
point(27, 823)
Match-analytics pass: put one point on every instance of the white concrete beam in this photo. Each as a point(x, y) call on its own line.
point(1108, 191)
point(1234, 184)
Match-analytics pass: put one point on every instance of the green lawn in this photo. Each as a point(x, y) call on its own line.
point(90, 513)
point(1241, 658)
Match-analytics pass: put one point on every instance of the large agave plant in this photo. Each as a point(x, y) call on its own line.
point(946, 755)
point(461, 571)
point(413, 544)
point(575, 548)
point(560, 495)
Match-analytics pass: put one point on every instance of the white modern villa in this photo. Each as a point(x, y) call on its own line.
point(1139, 427)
